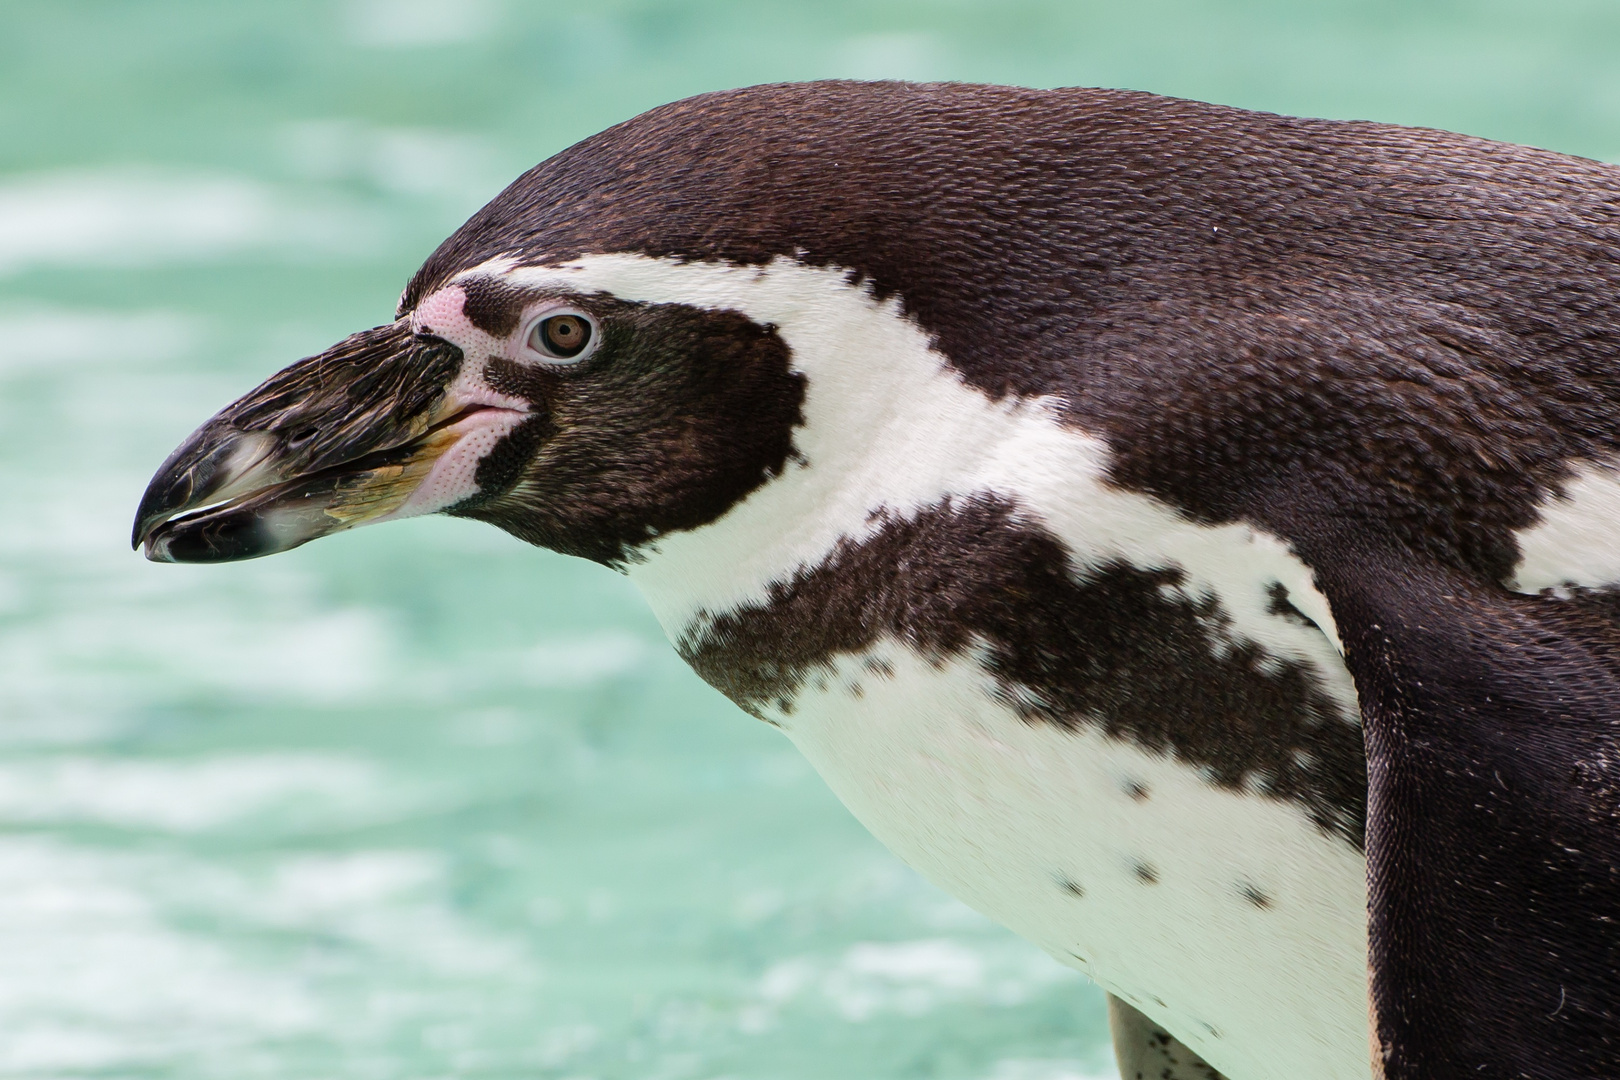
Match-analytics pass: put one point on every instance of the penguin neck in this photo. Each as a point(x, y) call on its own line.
point(887, 466)
point(889, 428)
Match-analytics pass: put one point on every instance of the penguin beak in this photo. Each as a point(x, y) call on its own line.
point(338, 440)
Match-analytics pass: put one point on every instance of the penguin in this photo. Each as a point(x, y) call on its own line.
point(1188, 535)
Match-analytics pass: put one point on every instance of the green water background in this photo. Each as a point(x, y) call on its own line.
point(418, 801)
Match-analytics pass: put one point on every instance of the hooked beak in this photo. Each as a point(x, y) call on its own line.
point(374, 428)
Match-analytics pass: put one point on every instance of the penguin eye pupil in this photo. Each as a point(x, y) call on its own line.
point(564, 332)
point(561, 337)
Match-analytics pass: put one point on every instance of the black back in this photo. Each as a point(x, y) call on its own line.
point(1178, 271)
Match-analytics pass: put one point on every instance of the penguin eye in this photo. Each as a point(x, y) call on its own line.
point(563, 337)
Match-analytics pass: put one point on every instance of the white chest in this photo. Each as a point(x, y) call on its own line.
point(1226, 916)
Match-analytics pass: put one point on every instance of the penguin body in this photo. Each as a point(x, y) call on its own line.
point(1107, 493)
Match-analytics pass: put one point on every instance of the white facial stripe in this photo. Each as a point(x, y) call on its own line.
point(890, 427)
point(1577, 540)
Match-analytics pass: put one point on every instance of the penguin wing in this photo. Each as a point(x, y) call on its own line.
point(1401, 446)
point(1492, 725)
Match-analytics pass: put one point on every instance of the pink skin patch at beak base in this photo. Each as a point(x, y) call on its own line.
point(443, 314)
point(454, 477)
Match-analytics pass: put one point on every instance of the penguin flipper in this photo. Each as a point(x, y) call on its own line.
point(1492, 725)
point(1145, 1051)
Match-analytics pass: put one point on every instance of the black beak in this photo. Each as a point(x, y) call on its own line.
point(332, 442)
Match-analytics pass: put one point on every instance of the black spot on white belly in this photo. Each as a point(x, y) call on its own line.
point(1283, 607)
point(879, 666)
point(1254, 895)
point(1110, 647)
point(1146, 1051)
point(1146, 873)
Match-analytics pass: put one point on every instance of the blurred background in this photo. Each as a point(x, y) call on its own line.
point(420, 802)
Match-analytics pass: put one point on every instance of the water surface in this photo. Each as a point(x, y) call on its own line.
point(418, 801)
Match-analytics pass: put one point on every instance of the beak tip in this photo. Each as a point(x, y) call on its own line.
point(188, 477)
point(157, 506)
point(144, 524)
point(156, 549)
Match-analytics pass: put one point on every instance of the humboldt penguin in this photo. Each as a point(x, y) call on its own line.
point(1190, 536)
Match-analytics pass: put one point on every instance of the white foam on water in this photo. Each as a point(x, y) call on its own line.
point(137, 216)
point(490, 727)
point(907, 978)
point(95, 978)
point(180, 796)
point(569, 1040)
point(390, 901)
point(34, 336)
point(413, 161)
point(314, 886)
point(408, 24)
point(135, 651)
point(947, 965)
point(13, 593)
point(119, 960)
point(584, 660)
point(897, 55)
point(1050, 1069)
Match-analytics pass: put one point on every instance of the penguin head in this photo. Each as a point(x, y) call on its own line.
point(636, 334)
point(573, 418)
